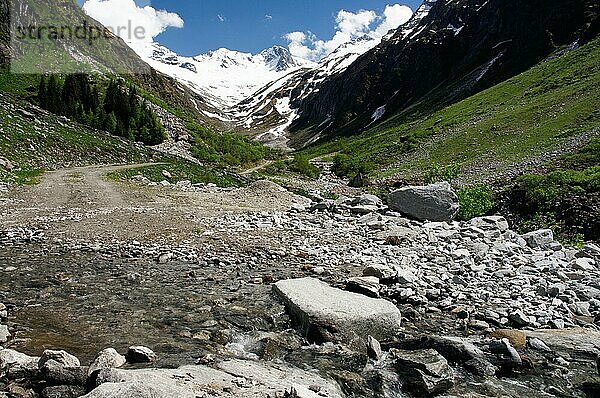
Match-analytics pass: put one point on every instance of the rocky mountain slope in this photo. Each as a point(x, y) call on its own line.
point(192, 132)
point(269, 112)
point(503, 131)
point(457, 49)
point(467, 45)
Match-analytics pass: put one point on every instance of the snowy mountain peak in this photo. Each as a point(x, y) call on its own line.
point(279, 58)
point(224, 77)
point(225, 57)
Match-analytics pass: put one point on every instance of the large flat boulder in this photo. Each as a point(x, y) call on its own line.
point(323, 313)
point(233, 378)
point(435, 202)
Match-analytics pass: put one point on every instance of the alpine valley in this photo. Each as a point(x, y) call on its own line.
point(257, 94)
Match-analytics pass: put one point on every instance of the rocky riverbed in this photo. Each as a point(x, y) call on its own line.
point(337, 298)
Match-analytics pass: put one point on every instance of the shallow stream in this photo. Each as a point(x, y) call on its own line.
point(85, 302)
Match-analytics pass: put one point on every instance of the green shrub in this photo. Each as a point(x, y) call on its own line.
point(180, 170)
point(540, 191)
point(437, 173)
point(225, 148)
point(475, 201)
point(276, 168)
point(23, 176)
point(587, 156)
point(301, 164)
point(569, 235)
point(349, 166)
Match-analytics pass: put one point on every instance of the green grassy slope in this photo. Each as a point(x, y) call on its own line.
point(31, 138)
point(521, 117)
point(35, 141)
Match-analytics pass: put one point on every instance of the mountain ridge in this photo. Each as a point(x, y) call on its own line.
point(481, 43)
point(224, 77)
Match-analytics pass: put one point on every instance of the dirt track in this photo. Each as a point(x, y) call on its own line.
point(81, 203)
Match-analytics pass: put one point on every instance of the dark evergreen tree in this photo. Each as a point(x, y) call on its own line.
point(42, 93)
point(53, 94)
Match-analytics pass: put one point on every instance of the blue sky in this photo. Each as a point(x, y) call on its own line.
point(252, 25)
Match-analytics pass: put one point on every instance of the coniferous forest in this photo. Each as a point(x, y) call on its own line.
point(119, 111)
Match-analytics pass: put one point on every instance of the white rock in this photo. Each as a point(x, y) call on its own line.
point(4, 334)
point(584, 264)
point(234, 378)
point(436, 202)
point(166, 174)
point(140, 354)
point(325, 313)
point(108, 358)
point(492, 222)
point(13, 362)
point(539, 239)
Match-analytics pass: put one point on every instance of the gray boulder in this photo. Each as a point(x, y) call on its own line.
point(436, 202)
point(367, 200)
point(491, 223)
point(458, 350)
point(576, 343)
point(383, 272)
point(367, 285)
point(374, 348)
point(233, 378)
point(62, 357)
point(15, 365)
point(4, 334)
point(56, 374)
point(323, 313)
point(539, 239)
point(153, 387)
point(108, 358)
point(424, 371)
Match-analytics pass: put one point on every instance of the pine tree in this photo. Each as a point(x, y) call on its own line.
point(94, 99)
point(110, 97)
point(53, 93)
point(111, 123)
point(42, 93)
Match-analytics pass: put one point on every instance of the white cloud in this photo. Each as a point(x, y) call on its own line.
point(393, 16)
point(349, 26)
point(130, 21)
